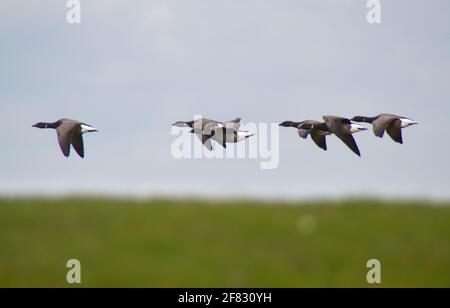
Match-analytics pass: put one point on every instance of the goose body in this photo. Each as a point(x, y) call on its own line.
point(342, 128)
point(392, 124)
point(70, 133)
point(205, 129)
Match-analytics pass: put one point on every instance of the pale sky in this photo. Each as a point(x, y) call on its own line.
point(132, 68)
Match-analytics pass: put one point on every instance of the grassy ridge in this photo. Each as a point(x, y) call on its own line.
point(195, 244)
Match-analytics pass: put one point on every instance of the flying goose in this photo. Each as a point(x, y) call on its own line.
point(387, 122)
point(306, 129)
point(341, 127)
point(204, 128)
point(70, 132)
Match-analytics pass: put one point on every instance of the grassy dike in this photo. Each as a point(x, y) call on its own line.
point(223, 244)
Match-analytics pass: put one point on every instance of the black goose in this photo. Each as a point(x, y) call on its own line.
point(306, 129)
point(341, 127)
point(387, 122)
point(70, 132)
point(205, 129)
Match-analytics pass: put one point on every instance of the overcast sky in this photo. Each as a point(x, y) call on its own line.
point(132, 68)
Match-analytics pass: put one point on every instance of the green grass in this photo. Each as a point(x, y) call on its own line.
point(195, 244)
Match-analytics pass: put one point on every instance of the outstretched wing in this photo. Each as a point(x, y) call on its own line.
point(339, 127)
point(65, 133)
point(381, 124)
point(78, 144)
point(350, 142)
point(395, 131)
point(206, 141)
point(303, 133)
point(320, 140)
point(223, 135)
point(208, 145)
point(234, 124)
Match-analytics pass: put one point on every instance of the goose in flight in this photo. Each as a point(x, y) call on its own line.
point(341, 127)
point(205, 129)
point(306, 129)
point(70, 132)
point(389, 123)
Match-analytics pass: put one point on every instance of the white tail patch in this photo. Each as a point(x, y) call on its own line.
point(356, 128)
point(407, 122)
point(87, 129)
point(244, 135)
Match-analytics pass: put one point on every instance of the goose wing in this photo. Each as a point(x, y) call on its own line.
point(204, 130)
point(303, 133)
point(206, 141)
point(305, 128)
point(381, 124)
point(395, 131)
point(208, 145)
point(319, 139)
point(350, 142)
point(208, 127)
point(224, 135)
point(78, 144)
point(340, 127)
point(65, 133)
point(233, 124)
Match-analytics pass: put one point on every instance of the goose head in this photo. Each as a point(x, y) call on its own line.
point(360, 119)
point(40, 125)
point(288, 124)
point(182, 124)
point(43, 125)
